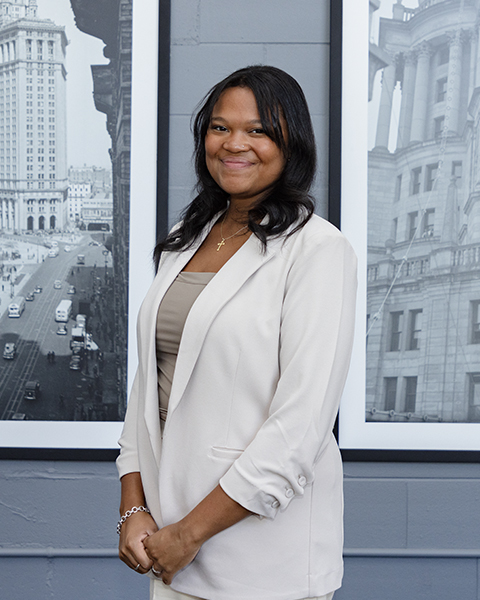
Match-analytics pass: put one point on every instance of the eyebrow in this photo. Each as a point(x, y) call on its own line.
point(253, 122)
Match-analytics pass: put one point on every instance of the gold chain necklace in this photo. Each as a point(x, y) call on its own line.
point(224, 239)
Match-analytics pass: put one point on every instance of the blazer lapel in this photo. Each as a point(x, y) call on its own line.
point(174, 263)
point(226, 283)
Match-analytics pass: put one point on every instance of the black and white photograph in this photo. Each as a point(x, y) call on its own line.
point(65, 141)
point(423, 319)
point(420, 168)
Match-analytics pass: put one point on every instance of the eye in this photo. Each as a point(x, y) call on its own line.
point(258, 130)
point(218, 128)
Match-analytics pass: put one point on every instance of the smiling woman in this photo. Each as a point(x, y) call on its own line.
point(280, 114)
point(240, 156)
point(244, 344)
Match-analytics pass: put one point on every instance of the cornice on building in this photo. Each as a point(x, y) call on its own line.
point(100, 19)
point(426, 23)
point(103, 86)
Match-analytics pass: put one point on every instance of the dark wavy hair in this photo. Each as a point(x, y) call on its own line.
point(279, 99)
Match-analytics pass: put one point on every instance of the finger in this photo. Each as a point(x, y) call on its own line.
point(134, 562)
point(133, 554)
point(157, 571)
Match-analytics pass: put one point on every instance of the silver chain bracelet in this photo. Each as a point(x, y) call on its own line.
point(129, 513)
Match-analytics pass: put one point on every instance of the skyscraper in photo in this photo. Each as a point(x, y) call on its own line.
point(33, 162)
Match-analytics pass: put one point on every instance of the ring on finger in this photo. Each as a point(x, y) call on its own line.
point(137, 567)
point(156, 573)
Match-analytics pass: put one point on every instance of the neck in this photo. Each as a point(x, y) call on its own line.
point(238, 212)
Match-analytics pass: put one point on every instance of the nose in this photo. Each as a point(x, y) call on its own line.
point(235, 142)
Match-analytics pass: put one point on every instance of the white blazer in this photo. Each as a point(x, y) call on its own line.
point(260, 371)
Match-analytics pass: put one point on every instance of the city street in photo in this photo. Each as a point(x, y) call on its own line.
point(65, 104)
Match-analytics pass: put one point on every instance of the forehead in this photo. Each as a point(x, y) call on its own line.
point(236, 101)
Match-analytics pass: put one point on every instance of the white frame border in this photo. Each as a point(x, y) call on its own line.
point(143, 210)
point(354, 432)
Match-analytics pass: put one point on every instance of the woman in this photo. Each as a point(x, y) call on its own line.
point(244, 487)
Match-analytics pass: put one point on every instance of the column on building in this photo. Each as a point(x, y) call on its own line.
point(385, 110)
point(476, 51)
point(419, 114)
point(450, 224)
point(472, 39)
point(408, 91)
point(453, 82)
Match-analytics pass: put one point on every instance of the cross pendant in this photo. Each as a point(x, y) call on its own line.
point(220, 244)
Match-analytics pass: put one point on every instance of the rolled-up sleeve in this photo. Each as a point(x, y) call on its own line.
point(315, 345)
point(127, 461)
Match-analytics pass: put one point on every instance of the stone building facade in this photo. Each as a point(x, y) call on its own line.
point(423, 322)
point(33, 171)
point(111, 21)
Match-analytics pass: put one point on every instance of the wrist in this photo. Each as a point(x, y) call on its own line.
point(132, 492)
point(194, 531)
point(134, 510)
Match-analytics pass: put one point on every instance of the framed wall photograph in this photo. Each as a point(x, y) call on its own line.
point(410, 178)
point(78, 140)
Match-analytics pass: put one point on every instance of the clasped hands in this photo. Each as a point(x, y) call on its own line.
point(144, 547)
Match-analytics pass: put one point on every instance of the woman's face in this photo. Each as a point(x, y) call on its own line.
point(240, 157)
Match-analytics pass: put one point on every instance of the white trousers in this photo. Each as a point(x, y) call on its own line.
point(160, 591)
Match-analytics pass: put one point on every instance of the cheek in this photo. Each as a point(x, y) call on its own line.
point(211, 146)
point(209, 155)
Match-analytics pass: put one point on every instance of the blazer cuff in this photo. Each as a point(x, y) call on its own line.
point(127, 465)
point(248, 495)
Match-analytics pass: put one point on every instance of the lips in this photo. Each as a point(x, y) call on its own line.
point(232, 162)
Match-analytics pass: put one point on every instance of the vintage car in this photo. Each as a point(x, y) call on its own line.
point(76, 362)
point(32, 390)
point(9, 351)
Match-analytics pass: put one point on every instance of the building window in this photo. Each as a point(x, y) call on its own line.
point(457, 171)
point(428, 222)
point(390, 393)
point(412, 224)
point(394, 229)
point(475, 327)
point(415, 180)
point(410, 394)
point(441, 89)
point(439, 123)
point(395, 330)
point(432, 171)
point(398, 186)
point(414, 329)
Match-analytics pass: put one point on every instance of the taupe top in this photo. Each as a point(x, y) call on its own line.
point(172, 314)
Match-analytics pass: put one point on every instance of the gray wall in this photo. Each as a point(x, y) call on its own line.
point(412, 530)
